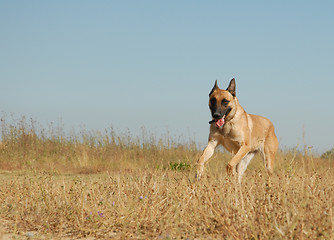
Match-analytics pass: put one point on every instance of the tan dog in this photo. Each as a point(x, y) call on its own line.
point(240, 133)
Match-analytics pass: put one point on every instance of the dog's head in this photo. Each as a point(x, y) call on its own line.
point(221, 103)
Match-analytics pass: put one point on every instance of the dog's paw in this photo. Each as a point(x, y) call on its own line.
point(200, 169)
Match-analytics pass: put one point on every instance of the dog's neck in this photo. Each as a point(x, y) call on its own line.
point(234, 112)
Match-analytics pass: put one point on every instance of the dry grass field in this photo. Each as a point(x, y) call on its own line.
point(93, 185)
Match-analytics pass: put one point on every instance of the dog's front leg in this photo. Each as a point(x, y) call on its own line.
point(242, 152)
point(207, 153)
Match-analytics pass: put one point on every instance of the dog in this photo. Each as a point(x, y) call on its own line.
point(240, 133)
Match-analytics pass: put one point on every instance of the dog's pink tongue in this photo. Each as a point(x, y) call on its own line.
point(220, 122)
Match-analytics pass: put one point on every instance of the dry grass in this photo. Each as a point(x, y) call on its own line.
point(110, 186)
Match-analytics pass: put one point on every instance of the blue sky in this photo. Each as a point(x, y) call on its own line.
point(134, 64)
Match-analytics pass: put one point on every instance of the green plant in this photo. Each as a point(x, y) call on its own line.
point(179, 166)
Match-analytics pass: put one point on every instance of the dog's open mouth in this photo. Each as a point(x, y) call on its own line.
point(219, 122)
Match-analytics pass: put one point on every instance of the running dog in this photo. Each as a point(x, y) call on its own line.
point(240, 133)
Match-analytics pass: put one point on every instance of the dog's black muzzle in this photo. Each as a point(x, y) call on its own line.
point(219, 113)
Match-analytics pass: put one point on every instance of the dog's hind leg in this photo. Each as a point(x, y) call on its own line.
point(207, 153)
point(242, 165)
point(269, 151)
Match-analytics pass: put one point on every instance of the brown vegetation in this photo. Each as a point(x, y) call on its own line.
point(112, 186)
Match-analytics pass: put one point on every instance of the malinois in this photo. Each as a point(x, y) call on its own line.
point(240, 133)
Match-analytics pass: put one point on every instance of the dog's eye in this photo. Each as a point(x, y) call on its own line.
point(213, 101)
point(225, 102)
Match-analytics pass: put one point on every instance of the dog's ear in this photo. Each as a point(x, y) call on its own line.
point(231, 87)
point(214, 88)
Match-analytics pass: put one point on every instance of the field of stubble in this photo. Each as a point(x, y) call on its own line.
point(93, 185)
